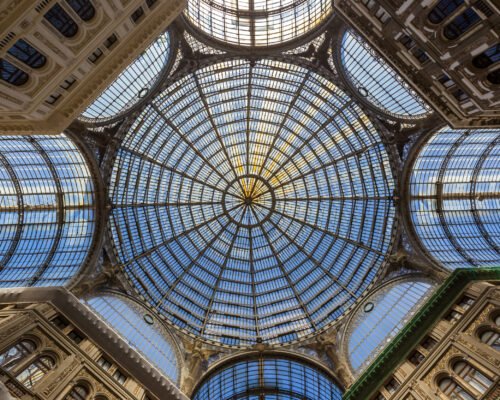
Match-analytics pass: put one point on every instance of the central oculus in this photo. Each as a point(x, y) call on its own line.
point(248, 201)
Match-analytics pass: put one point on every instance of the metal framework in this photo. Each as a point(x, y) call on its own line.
point(134, 84)
point(268, 377)
point(257, 23)
point(47, 211)
point(375, 81)
point(252, 201)
point(455, 197)
point(381, 317)
point(143, 332)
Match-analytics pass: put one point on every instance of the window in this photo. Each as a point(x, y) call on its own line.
point(75, 337)
point(453, 390)
point(494, 77)
point(104, 363)
point(11, 74)
point(472, 376)
point(488, 57)
point(461, 24)
point(416, 358)
point(16, 354)
point(453, 316)
point(79, 392)
point(137, 14)
point(392, 386)
point(83, 8)
point(36, 371)
point(465, 303)
point(60, 322)
point(119, 376)
point(27, 54)
point(491, 338)
point(443, 9)
point(429, 343)
point(60, 20)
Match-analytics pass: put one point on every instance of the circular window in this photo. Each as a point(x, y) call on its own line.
point(257, 23)
point(242, 199)
point(368, 307)
point(149, 319)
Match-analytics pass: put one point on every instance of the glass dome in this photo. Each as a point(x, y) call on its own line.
point(268, 378)
point(378, 82)
point(47, 210)
point(454, 205)
point(133, 84)
point(252, 201)
point(260, 23)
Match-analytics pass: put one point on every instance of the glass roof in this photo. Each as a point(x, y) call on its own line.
point(259, 23)
point(381, 318)
point(454, 206)
point(268, 378)
point(378, 82)
point(252, 200)
point(131, 321)
point(47, 211)
point(133, 83)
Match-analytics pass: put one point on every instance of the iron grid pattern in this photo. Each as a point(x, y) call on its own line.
point(133, 83)
point(257, 23)
point(378, 82)
point(252, 200)
point(127, 319)
point(455, 197)
point(393, 306)
point(46, 210)
point(268, 379)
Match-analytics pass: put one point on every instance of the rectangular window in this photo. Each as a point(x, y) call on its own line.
point(60, 322)
point(104, 363)
point(137, 14)
point(119, 376)
point(392, 386)
point(416, 358)
point(429, 343)
point(75, 337)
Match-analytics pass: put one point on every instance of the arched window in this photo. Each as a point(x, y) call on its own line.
point(453, 390)
point(36, 371)
point(487, 57)
point(78, 392)
point(16, 353)
point(494, 77)
point(472, 376)
point(61, 20)
point(11, 74)
point(26, 53)
point(491, 338)
point(461, 24)
point(443, 9)
point(83, 8)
